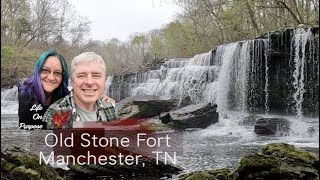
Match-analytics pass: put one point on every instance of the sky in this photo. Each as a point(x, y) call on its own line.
point(122, 18)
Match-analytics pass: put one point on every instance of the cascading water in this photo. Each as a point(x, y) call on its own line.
point(108, 83)
point(227, 60)
point(9, 100)
point(247, 76)
point(243, 76)
point(174, 79)
point(266, 86)
point(10, 94)
point(242, 68)
point(246, 79)
point(301, 38)
point(257, 76)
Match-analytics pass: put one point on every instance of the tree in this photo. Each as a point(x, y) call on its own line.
point(14, 21)
point(141, 42)
point(157, 45)
point(29, 27)
point(79, 29)
point(217, 22)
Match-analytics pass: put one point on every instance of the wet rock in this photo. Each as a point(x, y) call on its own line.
point(19, 164)
point(163, 127)
point(278, 161)
point(272, 126)
point(313, 130)
point(273, 161)
point(151, 170)
point(192, 116)
point(216, 174)
point(165, 117)
point(249, 120)
point(144, 107)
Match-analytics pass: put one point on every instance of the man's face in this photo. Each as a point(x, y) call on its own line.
point(88, 82)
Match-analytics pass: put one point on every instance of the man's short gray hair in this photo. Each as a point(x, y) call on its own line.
point(87, 57)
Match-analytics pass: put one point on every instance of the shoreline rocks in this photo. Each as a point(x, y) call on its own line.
point(273, 161)
point(19, 164)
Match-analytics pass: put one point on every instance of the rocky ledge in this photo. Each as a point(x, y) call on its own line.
point(273, 161)
point(19, 164)
point(175, 114)
point(192, 116)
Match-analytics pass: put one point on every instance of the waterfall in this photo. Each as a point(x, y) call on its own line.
point(179, 78)
point(274, 73)
point(242, 67)
point(201, 59)
point(243, 79)
point(108, 83)
point(301, 38)
point(256, 76)
point(10, 94)
point(266, 86)
point(9, 100)
point(226, 53)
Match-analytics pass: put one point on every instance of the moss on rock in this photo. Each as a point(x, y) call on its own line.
point(6, 166)
point(22, 173)
point(278, 161)
point(17, 163)
point(282, 150)
point(273, 161)
point(216, 174)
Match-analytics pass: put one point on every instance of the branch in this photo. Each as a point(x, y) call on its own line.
point(293, 15)
point(252, 18)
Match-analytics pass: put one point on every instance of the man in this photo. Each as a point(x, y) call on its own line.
point(84, 103)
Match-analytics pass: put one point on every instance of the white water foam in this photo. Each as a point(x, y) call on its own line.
point(9, 100)
point(301, 37)
point(303, 132)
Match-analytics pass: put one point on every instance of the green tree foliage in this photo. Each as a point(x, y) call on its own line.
point(16, 65)
point(140, 41)
point(157, 46)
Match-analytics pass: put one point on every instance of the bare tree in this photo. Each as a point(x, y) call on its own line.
point(43, 21)
point(79, 29)
point(14, 21)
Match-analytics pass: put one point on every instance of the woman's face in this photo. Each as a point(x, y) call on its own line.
point(51, 74)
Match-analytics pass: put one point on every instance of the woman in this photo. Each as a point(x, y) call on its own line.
point(48, 83)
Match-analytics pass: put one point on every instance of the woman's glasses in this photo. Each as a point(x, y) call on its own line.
point(46, 72)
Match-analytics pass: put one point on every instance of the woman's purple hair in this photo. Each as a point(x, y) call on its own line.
point(32, 86)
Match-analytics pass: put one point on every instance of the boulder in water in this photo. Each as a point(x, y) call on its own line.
point(192, 116)
point(248, 120)
point(145, 107)
point(313, 130)
point(272, 126)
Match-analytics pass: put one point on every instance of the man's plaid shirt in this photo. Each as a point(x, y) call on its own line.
point(62, 113)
